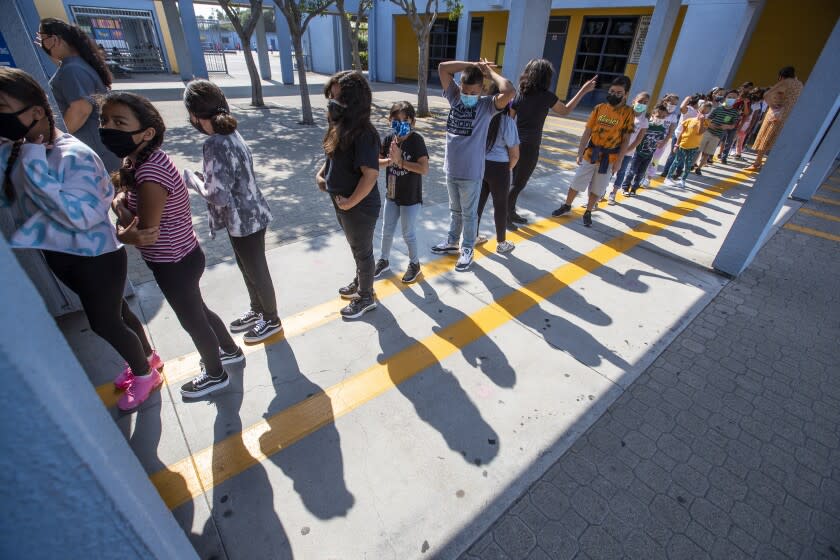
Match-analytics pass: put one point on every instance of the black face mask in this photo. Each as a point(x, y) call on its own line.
point(12, 128)
point(335, 110)
point(120, 142)
point(614, 99)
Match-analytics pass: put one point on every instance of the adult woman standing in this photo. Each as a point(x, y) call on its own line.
point(780, 98)
point(349, 176)
point(82, 73)
point(530, 107)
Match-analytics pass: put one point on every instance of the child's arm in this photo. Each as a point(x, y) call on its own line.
point(320, 179)
point(506, 89)
point(564, 109)
point(684, 105)
point(384, 162)
point(80, 200)
point(363, 188)
point(421, 166)
point(447, 71)
point(584, 141)
point(513, 155)
point(218, 177)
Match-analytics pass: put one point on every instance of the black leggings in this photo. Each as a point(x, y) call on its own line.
point(250, 257)
point(179, 283)
point(358, 225)
point(496, 183)
point(99, 282)
point(529, 154)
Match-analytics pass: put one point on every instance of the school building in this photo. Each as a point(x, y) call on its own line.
point(703, 43)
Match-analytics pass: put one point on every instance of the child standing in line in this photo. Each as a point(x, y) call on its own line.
point(653, 137)
point(502, 156)
point(59, 194)
point(688, 142)
point(640, 123)
point(234, 203)
point(153, 197)
point(670, 101)
point(466, 138)
point(721, 120)
point(406, 160)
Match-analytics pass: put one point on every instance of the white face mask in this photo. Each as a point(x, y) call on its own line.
point(671, 107)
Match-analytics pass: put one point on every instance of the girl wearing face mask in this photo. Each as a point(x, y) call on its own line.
point(652, 137)
point(670, 101)
point(349, 175)
point(406, 161)
point(721, 120)
point(234, 203)
point(153, 209)
point(60, 195)
point(640, 123)
point(82, 73)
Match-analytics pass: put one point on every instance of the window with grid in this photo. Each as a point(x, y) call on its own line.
point(605, 44)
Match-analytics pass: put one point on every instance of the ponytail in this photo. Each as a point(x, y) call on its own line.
point(206, 100)
point(82, 43)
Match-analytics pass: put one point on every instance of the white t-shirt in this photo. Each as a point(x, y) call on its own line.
point(639, 124)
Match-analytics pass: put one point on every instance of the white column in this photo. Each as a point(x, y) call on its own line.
point(179, 44)
point(656, 44)
point(734, 52)
point(822, 162)
point(803, 129)
point(526, 31)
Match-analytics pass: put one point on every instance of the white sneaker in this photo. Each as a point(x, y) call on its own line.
point(445, 247)
point(646, 182)
point(481, 240)
point(682, 182)
point(505, 247)
point(611, 201)
point(465, 260)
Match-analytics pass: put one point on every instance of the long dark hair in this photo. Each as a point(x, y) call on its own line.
point(19, 85)
point(355, 119)
point(536, 77)
point(496, 121)
point(82, 43)
point(149, 117)
point(206, 100)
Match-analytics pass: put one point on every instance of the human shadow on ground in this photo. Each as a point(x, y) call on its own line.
point(314, 463)
point(435, 392)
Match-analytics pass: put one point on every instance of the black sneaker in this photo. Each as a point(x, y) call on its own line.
point(510, 226)
point(245, 322)
point(587, 218)
point(562, 210)
point(412, 273)
point(231, 357)
point(262, 330)
point(349, 291)
point(358, 307)
point(698, 172)
point(517, 219)
point(381, 266)
point(203, 384)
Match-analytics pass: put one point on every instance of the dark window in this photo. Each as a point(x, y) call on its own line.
point(442, 42)
point(604, 47)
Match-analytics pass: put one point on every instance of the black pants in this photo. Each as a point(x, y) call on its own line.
point(496, 184)
point(728, 140)
point(358, 225)
point(99, 282)
point(529, 154)
point(250, 257)
point(179, 283)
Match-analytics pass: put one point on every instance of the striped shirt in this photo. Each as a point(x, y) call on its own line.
point(177, 236)
point(723, 116)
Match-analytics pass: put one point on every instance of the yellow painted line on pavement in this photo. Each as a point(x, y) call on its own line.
point(189, 478)
point(818, 214)
point(826, 200)
point(811, 231)
point(572, 153)
point(558, 163)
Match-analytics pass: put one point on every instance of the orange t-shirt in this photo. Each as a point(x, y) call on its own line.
point(609, 125)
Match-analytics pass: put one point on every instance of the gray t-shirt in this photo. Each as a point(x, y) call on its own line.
point(73, 80)
point(507, 137)
point(466, 135)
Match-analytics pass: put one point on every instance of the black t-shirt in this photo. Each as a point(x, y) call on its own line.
point(408, 185)
point(344, 168)
point(531, 111)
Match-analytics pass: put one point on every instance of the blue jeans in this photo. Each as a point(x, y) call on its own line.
point(407, 216)
point(463, 210)
point(619, 177)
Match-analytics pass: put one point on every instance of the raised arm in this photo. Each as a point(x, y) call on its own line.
point(564, 109)
point(506, 89)
point(447, 71)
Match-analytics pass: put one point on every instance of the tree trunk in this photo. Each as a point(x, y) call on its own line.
point(305, 105)
point(423, 73)
point(354, 39)
point(256, 81)
point(347, 30)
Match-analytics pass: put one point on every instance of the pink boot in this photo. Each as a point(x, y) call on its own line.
point(139, 390)
point(126, 376)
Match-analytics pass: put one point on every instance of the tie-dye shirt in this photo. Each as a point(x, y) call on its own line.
point(234, 201)
point(63, 198)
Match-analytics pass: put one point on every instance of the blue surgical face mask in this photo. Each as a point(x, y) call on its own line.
point(401, 128)
point(729, 102)
point(640, 107)
point(469, 101)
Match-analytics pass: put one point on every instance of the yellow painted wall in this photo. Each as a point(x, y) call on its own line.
point(493, 33)
point(789, 33)
point(666, 61)
point(405, 49)
point(573, 39)
point(51, 9)
point(166, 37)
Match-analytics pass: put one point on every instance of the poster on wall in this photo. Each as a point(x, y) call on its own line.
point(5, 54)
point(639, 40)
